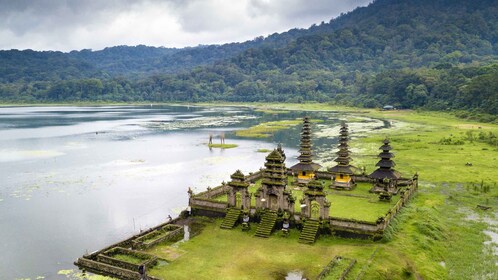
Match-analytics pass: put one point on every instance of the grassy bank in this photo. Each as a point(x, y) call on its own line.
point(264, 130)
point(223, 146)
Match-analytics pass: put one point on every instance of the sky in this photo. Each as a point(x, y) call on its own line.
point(66, 25)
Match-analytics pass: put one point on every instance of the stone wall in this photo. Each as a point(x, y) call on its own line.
point(253, 177)
point(333, 263)
point(353, 228)
point(109, 270)
point(166, 233)
point(211, 193)
point(108, 258)
point(90, 261)
point(207, 204)
point(405, 194)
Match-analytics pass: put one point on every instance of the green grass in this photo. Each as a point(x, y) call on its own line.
point(128, 258)
point(417, 149)
point(223, 146)
point(360, 209)
point(234, 254)
point(340, 266)
point(153, 237)
point(264, 130)
point(272, 112)
point(263, 150)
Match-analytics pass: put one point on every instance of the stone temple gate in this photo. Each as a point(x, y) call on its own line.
point(238, 194)
point(273, 194)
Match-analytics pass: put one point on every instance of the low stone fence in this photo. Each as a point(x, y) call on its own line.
point(333, 264)
point(363, 178)
point(253, 177)
point(363, 226)
point(106, 269)
point(91, 261)
point(108, 257)
point(405, 195)
point(207, 206)
point(375, 229)
point(166, 233)
point(211, 193)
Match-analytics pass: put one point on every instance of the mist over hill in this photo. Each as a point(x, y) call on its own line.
point(436, 54)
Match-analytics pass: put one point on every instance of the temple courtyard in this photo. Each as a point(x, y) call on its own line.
point(357, 204)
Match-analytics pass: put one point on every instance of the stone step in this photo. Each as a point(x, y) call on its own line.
point(231, 218)
point(266, 225)
point(309, 232)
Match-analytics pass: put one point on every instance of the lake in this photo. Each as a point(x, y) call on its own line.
point(76, 179)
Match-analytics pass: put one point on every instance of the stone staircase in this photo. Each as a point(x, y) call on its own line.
point(309, 232)
point(231, 218)
point(266, 225)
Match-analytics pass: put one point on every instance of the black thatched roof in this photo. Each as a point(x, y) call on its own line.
point(385, 147)
point(344, 169)
point(386, 163)
point(385, 173)
point(386, 155)
point(306, 166)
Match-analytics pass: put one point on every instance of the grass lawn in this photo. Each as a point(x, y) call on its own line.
point(128, 258)
point(360, 209)
point(234, 254)
point(266, 129)
point(223, 146)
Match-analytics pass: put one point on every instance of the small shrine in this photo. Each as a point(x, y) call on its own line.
point(342, 173)
point(316, 204)
point(273, 194)
point(238, 195)
point(306, 168)
point(385, 177)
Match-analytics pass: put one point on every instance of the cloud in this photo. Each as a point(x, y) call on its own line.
point(76, 24)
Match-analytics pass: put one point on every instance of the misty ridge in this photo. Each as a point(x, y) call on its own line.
point(438, 55)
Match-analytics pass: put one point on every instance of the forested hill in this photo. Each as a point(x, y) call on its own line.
point(438, 54)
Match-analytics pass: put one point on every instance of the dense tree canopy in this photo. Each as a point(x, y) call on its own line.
point(436, 54)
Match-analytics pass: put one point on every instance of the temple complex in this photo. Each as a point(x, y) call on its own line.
point(262, 204)
point(342, 173)
point(306, 168)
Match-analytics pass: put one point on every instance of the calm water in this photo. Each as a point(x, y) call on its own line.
point(75, 179)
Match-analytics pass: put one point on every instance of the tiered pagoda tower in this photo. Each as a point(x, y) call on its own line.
point(272, 194)
point(385, 176)
point(238, 194)
point(306, 168)
point(343, 171)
